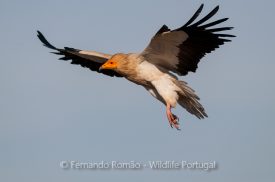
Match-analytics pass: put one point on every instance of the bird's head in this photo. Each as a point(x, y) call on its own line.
point(115, 62)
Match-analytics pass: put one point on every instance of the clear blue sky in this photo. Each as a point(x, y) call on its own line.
point(52, 111)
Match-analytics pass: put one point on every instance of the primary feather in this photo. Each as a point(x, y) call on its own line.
point(180, 50)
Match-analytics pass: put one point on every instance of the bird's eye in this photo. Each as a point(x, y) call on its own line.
point(111, 63)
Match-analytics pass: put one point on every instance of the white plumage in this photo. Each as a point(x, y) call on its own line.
point(161, 81)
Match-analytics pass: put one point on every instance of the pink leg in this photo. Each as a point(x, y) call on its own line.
point(173, 119)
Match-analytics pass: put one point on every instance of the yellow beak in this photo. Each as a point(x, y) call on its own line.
point(108, 65)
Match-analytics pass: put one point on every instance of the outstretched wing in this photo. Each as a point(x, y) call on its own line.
point(88, 59)
point(180, 50)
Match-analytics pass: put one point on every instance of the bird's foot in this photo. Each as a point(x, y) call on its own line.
point(173, 119)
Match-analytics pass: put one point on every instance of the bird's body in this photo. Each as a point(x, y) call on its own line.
point(159, 82)
point(152, 78)
point(170, 52)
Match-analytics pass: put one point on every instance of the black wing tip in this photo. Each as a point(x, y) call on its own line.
point(216, 8)
point(207, 17)
point(213, 23)
point(44, 40)
point(219, 29)
point(201, 7)
point(196, 15)
point(207, 27)
point(202, 4)
point(71, 49)
point(225, 35)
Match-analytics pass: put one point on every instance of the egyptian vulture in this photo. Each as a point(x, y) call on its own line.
point(169, 52)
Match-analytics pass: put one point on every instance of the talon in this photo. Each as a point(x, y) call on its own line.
point(176, 119)
point(173, 119)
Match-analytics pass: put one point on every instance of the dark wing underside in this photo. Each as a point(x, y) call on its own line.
point(180, 50)
point(87, 59)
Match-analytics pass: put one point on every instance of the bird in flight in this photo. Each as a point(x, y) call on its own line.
point(169, 53)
